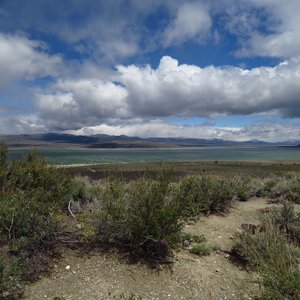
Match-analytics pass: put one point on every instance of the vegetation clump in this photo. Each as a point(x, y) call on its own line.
point(201, 250)
point(204, 195)
point(142, 215)
point(32, 195)
point(271, 253)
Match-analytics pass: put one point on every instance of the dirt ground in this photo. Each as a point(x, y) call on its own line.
point(107, 276)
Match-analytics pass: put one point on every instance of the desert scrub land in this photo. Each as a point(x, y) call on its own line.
point(166, 232)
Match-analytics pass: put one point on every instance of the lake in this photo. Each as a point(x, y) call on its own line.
point(93, 156)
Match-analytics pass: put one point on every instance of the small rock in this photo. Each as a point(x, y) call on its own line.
point(79, 226)
point(227, 255)
point(68, 267)
point(217, 271)
point(186, 243)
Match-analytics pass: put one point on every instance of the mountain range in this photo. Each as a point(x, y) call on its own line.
point(121, 141)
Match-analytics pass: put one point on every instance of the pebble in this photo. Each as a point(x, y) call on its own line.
point(68, 267)
point(79, 226)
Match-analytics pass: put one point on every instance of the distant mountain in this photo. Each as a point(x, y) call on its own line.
point(121, 141)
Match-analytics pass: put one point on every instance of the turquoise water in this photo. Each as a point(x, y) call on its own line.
point(89, 156)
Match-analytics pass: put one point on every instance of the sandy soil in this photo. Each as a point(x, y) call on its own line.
point(107, 276)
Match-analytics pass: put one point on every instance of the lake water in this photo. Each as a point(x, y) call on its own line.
point(91, 156)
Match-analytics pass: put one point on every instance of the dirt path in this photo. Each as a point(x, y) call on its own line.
point(106, 276)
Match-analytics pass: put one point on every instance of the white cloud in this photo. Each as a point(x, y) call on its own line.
point(188, 90)
point(83, 101)
point(280, 38)
point(25, 59)
point(172, 90)
point(271, 132)
point(22, 124)
point(192, 22)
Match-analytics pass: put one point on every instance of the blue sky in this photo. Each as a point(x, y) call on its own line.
point(197, 68)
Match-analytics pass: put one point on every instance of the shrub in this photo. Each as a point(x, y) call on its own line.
point(242, 189)
point(204, 195)
point(142, 214)
point(10, 288)
point(266, 187)
point(269, 253)
point(32, 195)
point(26, 220)
point(287, 188)
point(30, 200)
point(201, 250)
point(285, 220)
point(280, 281)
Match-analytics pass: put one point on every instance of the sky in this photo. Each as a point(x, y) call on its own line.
point(213, 69)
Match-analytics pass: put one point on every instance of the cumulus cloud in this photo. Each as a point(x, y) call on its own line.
point(173, 90)
point(192, 22)
point(25, 59)
point(188, 90)
point(75, 103)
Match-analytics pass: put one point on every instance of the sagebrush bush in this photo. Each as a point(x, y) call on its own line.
point(291, 191)
point(201, 250)
point(204, 195)
point(265, 187)
point(284, 219)
point(282, 188)
point(242, 189)
point(31, 196)
point(10, 289)
point(270, 253)
point(142, 214)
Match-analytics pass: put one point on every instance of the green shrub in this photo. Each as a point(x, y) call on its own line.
point(142, 214)
point(266, 187)
point(32, 175)
point(10, 289)
point(27, 220)
point(280, 281)
point(32, 195)
point(242, 189)
point(201, 250)
point(31, 198)
point(287, 188)
point(131, 296)
point(204, 195)
point(275, 260)
point(285, 220)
